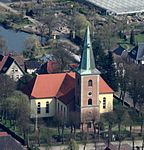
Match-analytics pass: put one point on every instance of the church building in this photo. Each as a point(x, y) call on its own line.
point(83, 91)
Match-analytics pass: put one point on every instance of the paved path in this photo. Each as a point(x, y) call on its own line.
point(100, 146)
point(9, 9)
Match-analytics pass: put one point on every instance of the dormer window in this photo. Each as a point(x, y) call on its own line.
point(90, 83)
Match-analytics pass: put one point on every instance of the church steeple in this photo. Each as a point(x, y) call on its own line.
point(87, 63)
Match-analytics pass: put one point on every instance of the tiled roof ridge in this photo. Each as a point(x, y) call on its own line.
point(61, 85)
point(111, 90)
point(3, 61)
point(36, 80)
point(66, 76)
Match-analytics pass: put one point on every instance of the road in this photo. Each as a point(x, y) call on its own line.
point(100, 146)
point(9, 9)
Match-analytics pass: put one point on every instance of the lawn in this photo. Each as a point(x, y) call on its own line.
point(139, 38)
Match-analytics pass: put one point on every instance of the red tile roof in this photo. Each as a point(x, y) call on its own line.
point(48, 85)
point(3, 62)
point(51, 66)
point(67, 89)
point(104, 87)
point(60, 85)
point(3, 134)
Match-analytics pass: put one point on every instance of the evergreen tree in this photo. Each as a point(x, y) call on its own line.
point(110, 74)
point(105, 64)
point(132, 38)
point(99, 54)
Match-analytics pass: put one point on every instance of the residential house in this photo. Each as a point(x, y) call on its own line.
point(50, 66)
point(119, 50)
point(137, 53)
point(83, 91)
point(9, 143)
point(31, 66)
point(10, 67)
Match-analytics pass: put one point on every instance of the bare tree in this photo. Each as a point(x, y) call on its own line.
point(49, 22)
point(3, 48)
point(31, 46)
point(62, 56)
point(110, 119)
point(7, 88)
point(74, 122)
point(78, 24)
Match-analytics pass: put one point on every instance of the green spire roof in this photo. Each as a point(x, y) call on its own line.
point(87, 63)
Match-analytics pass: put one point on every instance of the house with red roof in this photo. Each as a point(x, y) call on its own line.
point(7, 142)
point(83, 91)
point(10, 67)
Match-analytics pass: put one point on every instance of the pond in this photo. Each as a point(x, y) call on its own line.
point(14, 40)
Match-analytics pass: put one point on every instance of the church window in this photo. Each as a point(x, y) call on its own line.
point(78, 81)
point(90, 83)
point(38, 108)
point(89, 101)
point(104, 103)
point(90, 93)
point(47, 107)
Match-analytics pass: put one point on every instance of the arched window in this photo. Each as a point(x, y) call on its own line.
point(104, 103)
point(38, 108)
point(90, 83)
point(47, 107)
point(89, 101)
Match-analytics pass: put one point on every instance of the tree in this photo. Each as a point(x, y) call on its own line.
point(120, 117)
point(141, 118)
point(78, 24)
point(21, 111)
point(74, 122)
point(60, 122)
point(107, 35)
point(110, 74)
point(132, 116)
point(23, 81)
point(49, 22)
point(31, 45)
point(132, 38)
point(122, 80)
point(135, 86)
point(3, 48)
point(110, 119)
point(62, 56)
point(7, 88)
point(47, 138)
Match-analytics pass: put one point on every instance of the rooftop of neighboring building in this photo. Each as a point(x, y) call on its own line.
point(137, 52)
point(32, 64)
point(9, 143)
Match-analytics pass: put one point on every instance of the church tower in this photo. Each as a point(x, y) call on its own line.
point(87, 85)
